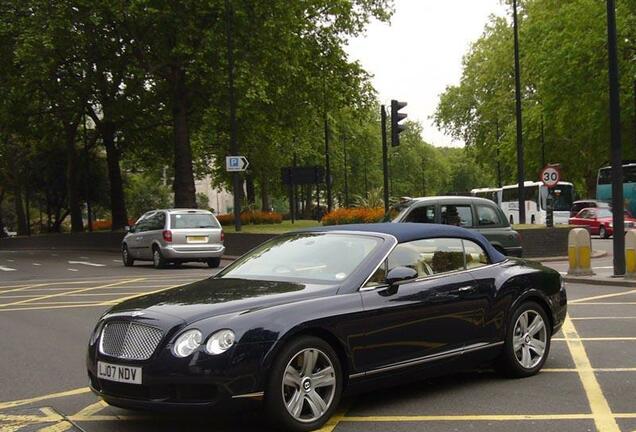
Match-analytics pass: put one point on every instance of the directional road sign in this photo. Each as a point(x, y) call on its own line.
point(236, 163)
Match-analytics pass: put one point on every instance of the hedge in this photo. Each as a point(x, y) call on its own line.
point(252, 218)
point(344, 216)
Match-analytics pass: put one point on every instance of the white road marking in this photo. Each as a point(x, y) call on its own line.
point(86, 263)
point(117, 261)
point(70, 269)
point(36, 264)
point(3, 268)
point(10, 260)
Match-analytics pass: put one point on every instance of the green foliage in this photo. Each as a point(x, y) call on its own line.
point(564, 84)
point(146, 192)
point(203, 201)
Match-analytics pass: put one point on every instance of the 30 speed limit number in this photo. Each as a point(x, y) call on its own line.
point(550, 176)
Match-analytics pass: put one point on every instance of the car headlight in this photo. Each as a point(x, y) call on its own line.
point(187, 343)
point(220, 342)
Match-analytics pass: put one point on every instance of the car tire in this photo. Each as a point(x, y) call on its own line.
point(126, 258)
point(532, 220)
point(511, 220)
point(289, 382)
point(214, 262)
point(522, 355)
point(158, 261)
point(602, 232)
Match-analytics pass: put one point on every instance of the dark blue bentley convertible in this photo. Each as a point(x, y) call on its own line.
point(308, 315)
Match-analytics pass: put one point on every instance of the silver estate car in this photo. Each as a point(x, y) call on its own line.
point(174, 236)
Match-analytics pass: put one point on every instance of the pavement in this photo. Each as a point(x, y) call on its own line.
point(47, 312)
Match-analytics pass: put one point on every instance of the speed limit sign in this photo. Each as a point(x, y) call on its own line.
point(550, 176)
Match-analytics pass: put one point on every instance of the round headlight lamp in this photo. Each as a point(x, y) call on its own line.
point(186, 343)
point(220, 342)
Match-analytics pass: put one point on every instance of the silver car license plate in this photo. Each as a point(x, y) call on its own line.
point(197, 239)
point(119, 373)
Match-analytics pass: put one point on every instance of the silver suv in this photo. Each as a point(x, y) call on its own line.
point(174, 236)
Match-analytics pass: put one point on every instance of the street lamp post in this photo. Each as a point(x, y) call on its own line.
point(520, 162)
point(616, 152)
point(234, 145)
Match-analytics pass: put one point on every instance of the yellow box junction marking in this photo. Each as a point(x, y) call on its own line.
point(16, 403)
point(599, 297)
point(603, 418)
point(121, 282)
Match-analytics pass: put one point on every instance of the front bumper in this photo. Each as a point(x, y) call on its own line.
point(193, 252)
point(197, 381)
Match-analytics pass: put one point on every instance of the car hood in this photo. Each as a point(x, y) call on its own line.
point(213, 297)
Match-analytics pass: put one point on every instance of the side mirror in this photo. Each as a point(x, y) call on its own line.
point(400, 274)
point(129, 229)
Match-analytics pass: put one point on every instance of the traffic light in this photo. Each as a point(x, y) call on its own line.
point(396, 118)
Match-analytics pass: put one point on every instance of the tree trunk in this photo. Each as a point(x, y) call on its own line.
point(264, 195)
point(119, 216)
point(184, 192)
point(19, 211)
point(251, 192)
point(72, 178)
point(1, 215)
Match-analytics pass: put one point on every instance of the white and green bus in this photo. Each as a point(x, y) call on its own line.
point(536, 195)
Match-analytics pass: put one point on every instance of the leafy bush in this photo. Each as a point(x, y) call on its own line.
point(144, 192)
point(344, 216)
point(255, 217)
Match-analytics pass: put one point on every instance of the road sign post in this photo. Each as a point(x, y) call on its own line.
point(550, 176)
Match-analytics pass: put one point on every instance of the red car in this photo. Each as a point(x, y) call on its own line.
point(599, 221)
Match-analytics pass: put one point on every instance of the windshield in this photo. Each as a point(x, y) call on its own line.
point(396, 210)
point(605, 213)
point(562, 195)
point(192, 220)
point(322, 258)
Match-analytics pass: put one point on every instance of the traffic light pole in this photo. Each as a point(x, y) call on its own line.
point(385, 159)
point(520, 163)
point(617, 157)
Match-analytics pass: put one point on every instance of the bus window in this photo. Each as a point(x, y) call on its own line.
point(604, 176)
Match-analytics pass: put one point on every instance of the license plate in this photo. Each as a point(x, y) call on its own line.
point(119, 373)
point(197, 239)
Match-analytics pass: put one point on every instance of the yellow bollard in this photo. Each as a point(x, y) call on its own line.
point(580, 252)
point(630, 254)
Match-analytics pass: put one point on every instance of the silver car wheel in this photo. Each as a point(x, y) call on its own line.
point(309, 385)
point(529, 339)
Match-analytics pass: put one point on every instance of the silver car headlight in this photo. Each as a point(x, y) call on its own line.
point(220, 342)
point(186, 343)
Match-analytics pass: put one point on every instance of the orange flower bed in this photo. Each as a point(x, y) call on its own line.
point(106, 224)
point(344, 216)
point(252, 218)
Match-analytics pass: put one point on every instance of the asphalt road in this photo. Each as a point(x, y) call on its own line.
point(47, 312)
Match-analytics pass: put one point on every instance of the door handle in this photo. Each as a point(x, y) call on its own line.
point(466, 289)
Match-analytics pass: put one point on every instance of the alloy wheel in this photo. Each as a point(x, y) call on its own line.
point(529, 339)
point(309, 385)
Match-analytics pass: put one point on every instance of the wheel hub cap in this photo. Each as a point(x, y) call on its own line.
point(529, 339)
point(309, 385)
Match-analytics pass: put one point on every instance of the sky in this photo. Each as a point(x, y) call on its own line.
point(430, 38)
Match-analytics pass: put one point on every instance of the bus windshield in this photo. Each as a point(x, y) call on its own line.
point(562, 195)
